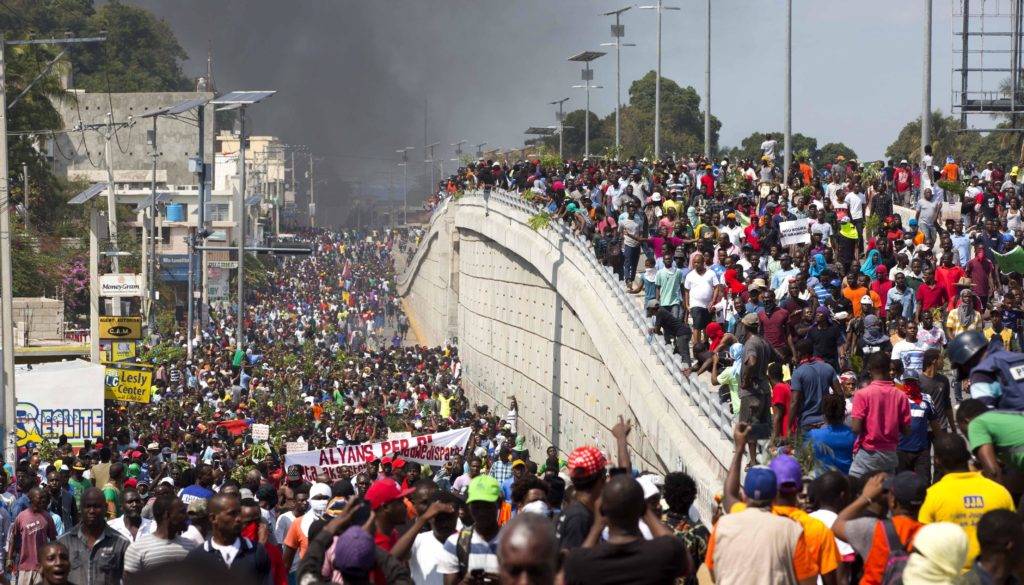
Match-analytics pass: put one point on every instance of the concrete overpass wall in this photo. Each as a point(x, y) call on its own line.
point(536, 317)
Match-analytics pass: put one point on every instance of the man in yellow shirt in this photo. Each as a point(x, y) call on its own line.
point(962, 496)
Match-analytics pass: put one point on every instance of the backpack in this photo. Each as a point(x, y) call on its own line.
point(462, 549)
point(897, 562)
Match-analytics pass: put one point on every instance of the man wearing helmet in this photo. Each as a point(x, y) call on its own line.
point(996, 376)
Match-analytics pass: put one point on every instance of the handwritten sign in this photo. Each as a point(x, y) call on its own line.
point(796, 231)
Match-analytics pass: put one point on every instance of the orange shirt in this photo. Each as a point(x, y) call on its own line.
point(951, 172)
point(296, 538)
point(855, 294)
point(807, 172)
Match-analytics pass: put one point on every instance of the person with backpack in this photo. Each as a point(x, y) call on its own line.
point(881, 540)
point(473, 551)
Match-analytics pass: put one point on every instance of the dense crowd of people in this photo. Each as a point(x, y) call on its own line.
point(878, 402)
point(862, 322)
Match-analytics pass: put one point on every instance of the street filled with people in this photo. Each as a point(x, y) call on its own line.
point(863, 334)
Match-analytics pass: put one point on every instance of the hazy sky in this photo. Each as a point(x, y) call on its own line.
point(352, 76)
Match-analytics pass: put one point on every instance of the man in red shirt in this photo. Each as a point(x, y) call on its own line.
point(930, 294)
point(388, 501)
point(901, 177)
point(880, 416)
point(775, 325)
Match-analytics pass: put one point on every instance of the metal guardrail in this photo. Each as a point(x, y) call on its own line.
point(704, 397)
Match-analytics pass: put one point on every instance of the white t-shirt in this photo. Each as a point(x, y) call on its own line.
point(424, 557)
point(855, 204)
point(910, 353)
point(735, 234)
point(828, 518)
point(768, 147)
point(482, 555)
point(701, 287)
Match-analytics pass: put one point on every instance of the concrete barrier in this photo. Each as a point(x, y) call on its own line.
point(537, 317)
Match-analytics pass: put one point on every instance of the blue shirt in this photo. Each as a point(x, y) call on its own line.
point(921, 415)
point(962, 244)
point(812, 379)
point(833, 446)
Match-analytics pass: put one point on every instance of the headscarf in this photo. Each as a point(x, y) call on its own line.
point(940, 550)
point(715, 334)
point(871, 263)
point(966, 313)
point(818, 265)
point(735, 286)
point(693, 256)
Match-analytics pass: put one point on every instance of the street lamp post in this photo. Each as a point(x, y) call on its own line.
point(788, 124)
point(560, 117)
point(405, 190)
point(618, 31)
point(588, 75)
point(926, 98)
point(707, 84)
point(659, 7)
point(240, 100)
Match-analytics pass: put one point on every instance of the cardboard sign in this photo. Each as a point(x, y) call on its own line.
point(121, 285)
point(950, 211)
point(295, 447)
point(120, 327)
point(128, 384)
point(797, 231)
point(433, 449)
point(260, 432)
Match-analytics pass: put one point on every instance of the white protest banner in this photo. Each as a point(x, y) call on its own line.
point(260, 432)
point(797, 231)
point(432, 449)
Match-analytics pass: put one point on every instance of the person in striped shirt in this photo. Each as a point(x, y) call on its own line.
point(165, 544)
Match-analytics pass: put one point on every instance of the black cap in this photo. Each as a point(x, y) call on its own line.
point(295, 471)
point(908, 488)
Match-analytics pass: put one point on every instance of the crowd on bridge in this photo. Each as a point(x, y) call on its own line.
point(877, 396)
point(862, 321)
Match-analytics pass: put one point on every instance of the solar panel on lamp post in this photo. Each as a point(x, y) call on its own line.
point(560, 117)
point(587, 75)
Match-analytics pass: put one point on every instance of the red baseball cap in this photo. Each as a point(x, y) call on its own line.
point(398, 463)
point(586, 461)
point(385, 491)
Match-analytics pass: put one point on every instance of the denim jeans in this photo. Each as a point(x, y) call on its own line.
point(630, 258)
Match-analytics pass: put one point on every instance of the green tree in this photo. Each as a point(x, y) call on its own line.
point(141, 53)
point(832, 150)
point(575, 135)
point(682, 120)
point(946, 140)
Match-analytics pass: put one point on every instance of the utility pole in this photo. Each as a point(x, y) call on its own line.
point(24, 176)
point(560, 117)
point(788, 124)
point(405, 194)
point(150, 276)
point(659, 7)
point(618, 31)
point(8, 398)
point(111, 201)
point(312, 193)
point(707, 84)
point(926, 94)
point(241, 221)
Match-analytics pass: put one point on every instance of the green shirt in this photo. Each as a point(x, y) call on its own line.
point(1002, 429)
point(670, 282)
point(112, 494)
point(77, 487)
point(238, 358)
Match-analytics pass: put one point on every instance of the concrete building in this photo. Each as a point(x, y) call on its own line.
point(79, 155)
